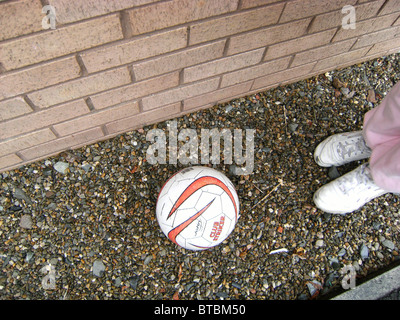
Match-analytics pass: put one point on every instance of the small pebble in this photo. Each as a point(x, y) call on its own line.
point(61, 167)
point(319, 243)
point(388, 244)
point(98, 268)
point(342, 252)
point(26, 222)
point(364, 251)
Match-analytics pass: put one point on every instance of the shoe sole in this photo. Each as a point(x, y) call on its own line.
point(321, 207)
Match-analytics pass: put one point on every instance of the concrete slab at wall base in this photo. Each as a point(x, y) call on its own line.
point(374, 289)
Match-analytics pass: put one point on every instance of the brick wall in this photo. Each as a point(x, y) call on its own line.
point(112, 66)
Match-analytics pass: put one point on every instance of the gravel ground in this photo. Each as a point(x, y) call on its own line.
point(81, 225)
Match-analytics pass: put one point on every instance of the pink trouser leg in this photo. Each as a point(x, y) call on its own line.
point(382, 135)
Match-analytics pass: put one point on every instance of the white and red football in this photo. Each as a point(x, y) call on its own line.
point(197, 208)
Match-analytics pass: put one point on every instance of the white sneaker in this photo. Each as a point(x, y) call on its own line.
point(341, 148)
point(348, 192)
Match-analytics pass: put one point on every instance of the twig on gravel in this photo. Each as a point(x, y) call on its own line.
point(268, 194)
point(284, 115)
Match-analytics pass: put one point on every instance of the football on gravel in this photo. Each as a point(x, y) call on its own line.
point(197, 208)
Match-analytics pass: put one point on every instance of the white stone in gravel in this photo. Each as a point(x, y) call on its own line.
point(319, 243)
point(364, 252)
point(21, 195)
point(342, 252)
point(61, 167)
point(26, 222)
point(388, 244)
point(98, 268)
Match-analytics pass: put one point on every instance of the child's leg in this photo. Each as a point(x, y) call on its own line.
point(385, 165)
point(382, 123)
point(382, 135)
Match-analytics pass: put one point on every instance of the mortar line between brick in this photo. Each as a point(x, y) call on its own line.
point(30, 103)
point(219, 82)
point(310, 25)
point(54, 132)
point(2, 69)
point(334, 36)
point(181, 77)
point(44, 2)
point(104, 130)
point(140, 103)
point(126, 25)
point(131, 73)
point(90, 104)
point(382, 7)
point(81, 64)
point(264, 54)
point(290, 62)
point(18, 153)
point(393, 25)
point(188, 37)
point(226, 47)
point(281, 15)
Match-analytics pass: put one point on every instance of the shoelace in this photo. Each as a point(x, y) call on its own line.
point(357, 146)
point(360, 177)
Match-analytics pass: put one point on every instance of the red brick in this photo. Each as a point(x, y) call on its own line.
point(334, 19)
point(216, 96)
point(80, 87)
point(391, 6)
point(246, 4)
point(223, 65)
point(26, 141)
point(366, 26)
point(9, 160)
point(68, 11)
point(299, 9)
point(134, 50)
point(392, 51)
point(376, 37)
point(95, 119)
point(134, 91)
point(18, 18)
point(41, 119)
point(183, 92)
point(283, 76)
point(175, 61)
point(299, 44)
point(13, 108)
point(234, 23)
point(144, 118)
point(385, 46)
point(61, 144)
point(322, 52)
point(38, 77)
point(171, 13)
point(254, 72)
point(267, 36)
point(61, 41)
point(341, 60)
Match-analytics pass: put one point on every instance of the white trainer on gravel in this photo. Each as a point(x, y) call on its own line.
point(341, 148)
point(349, 192)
